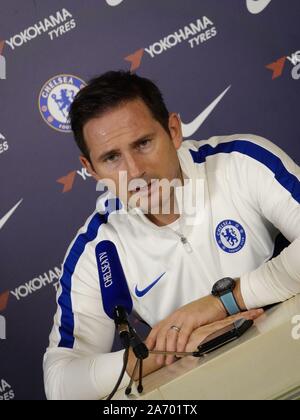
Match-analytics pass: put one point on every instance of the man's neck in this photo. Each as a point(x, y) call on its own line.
point(163, 219)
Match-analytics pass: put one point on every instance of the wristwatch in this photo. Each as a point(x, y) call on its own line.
point(223, 289)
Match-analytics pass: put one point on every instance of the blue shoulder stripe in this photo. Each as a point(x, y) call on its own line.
point(289, 181)
point(66, 329)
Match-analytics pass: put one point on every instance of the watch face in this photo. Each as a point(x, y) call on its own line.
point(224, 285)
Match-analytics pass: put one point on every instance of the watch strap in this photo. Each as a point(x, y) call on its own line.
point(230, 304)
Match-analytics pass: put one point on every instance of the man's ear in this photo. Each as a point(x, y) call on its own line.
point(89, 167)
point(175, 129)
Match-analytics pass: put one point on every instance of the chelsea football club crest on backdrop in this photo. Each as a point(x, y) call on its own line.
point(230, 236)
point(55, 99)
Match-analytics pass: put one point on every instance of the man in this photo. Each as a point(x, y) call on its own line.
point(170, 256)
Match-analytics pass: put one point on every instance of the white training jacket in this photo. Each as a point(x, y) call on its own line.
point(251, 193)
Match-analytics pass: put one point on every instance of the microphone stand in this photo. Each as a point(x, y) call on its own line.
point(141, 352)
point(130, 339)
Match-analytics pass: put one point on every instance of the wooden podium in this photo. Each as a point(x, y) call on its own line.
point(263, 364)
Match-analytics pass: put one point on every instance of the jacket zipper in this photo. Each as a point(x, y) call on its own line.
point(185, 242)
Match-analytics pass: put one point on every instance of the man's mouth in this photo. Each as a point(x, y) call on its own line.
point(146, 189)
point(143, 189)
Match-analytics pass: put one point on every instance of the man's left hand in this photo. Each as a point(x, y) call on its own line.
point(186, 319)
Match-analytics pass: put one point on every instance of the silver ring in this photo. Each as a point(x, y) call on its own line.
point(175, 328)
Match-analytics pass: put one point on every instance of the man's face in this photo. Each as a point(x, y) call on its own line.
point(128, 141)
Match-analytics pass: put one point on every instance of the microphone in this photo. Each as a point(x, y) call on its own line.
point(117, 304)
point(116, 298)
point(122, 325)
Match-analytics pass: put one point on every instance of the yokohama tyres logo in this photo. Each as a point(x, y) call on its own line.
point(278, 66)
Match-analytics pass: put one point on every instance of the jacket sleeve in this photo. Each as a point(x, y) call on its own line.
point(78, 363)
point(272, 181)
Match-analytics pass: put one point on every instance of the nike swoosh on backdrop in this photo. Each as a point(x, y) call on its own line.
point(9, 214)
point(141, 293)
point(189, 129)
point(257, 6)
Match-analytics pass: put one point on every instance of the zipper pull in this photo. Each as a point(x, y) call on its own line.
point(186, 244)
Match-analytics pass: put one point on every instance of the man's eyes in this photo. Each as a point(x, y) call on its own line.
point(111, 158)
point(143, 144)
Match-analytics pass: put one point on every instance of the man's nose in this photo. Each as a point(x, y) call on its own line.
point(134, 167)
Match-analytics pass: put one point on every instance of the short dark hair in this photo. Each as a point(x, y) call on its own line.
point(108, 91)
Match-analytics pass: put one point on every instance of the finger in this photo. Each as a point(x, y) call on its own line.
point(171, 344)
point(199, 335)
point(216, 326)
point(251, 315)
point(149, 347)
point(150, 342)
point(183, 337)
point(152, 337)
point(161, 345)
